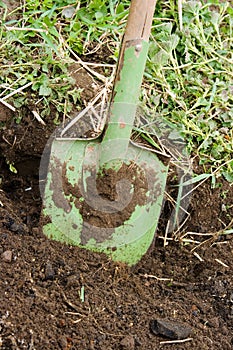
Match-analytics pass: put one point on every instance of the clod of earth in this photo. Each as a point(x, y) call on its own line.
point(128, 343)
point(170, 328)
point(7, 256)
point(49, 271)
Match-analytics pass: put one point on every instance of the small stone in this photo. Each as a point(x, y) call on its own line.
point(63, 343)
point(224, 330)
point(7, 256)
point(170, 328)
point(213, 322)
point(49, 271)
point(18, 228)
point(73, 281)
point(128, 343)
point(35, 231)
point(68, 12)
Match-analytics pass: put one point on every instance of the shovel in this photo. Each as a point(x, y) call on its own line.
point(105, 193)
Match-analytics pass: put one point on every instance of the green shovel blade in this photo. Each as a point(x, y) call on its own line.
point(72, 169)
point(77, 210)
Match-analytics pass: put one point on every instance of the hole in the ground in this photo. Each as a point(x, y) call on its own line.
point(22, 188)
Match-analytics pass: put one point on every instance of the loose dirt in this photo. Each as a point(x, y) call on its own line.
point(110, 191)
point(55, 296)
point(42, 281)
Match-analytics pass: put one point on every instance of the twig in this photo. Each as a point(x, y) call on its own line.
point(196, 234)
point(221, 263)
point(105, 65)
point(82, 113)
point(82, 63)
point(16, 91)
point(85, 66)
point(74, 307)
point(6, 86)
point(7, 105)
point(198, 256)
point(11, 144)
point(178, 230)
point(74, 313)
point(155, 277)
point(166, 233)
point(39, 30)
point(213, 235)
point(174, 202)
point(37, 116)
point(180, 14)
point(175, 341)
point(207, 178)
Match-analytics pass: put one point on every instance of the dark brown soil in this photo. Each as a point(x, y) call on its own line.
point(55, 296)
point(42, 281)
point(105, 186)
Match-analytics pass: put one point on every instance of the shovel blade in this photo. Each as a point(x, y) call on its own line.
point(76, 212)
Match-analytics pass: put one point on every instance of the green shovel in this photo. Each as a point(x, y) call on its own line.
point(105, 194)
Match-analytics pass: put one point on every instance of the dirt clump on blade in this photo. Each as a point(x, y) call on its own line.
point(106, 200)
point(111, 197)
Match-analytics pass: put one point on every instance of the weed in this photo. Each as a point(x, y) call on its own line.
point(191, 74)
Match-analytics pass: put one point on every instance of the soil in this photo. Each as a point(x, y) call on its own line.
point(56, 296)
point(113, 194)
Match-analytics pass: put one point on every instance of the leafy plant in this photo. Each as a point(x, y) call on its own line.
point(188, 79)
point(191, 73)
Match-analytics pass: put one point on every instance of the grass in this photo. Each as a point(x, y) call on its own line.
point(192, 76)
point(188, 80)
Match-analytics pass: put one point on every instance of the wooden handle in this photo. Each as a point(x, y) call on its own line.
point(140, 19)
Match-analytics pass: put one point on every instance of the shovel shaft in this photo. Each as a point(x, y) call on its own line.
point(139, 20)
point(127, 84)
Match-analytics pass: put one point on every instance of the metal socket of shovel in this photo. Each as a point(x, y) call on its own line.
point(105, 194)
